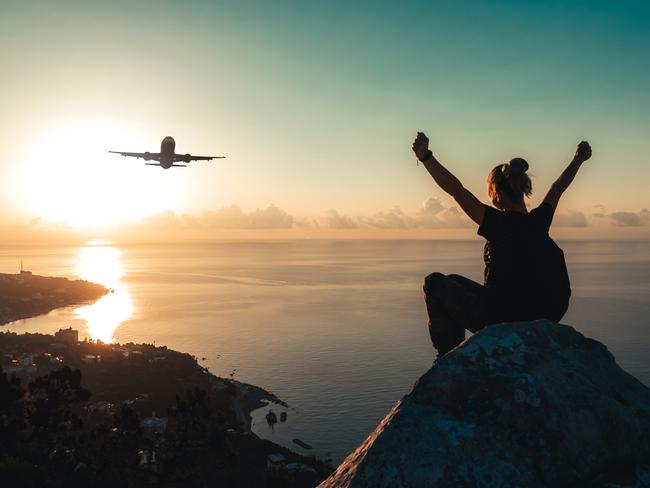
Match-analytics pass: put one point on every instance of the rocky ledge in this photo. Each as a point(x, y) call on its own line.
point(532, 404)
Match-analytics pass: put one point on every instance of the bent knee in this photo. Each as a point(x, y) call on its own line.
point(433, 282)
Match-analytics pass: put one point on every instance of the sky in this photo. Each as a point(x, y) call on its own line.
point(315, 105)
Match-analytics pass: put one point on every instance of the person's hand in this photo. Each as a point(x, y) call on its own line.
point(421, 146)
point(583, 152)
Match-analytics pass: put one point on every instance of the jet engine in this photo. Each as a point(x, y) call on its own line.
point(187, 158)
point(147, 156)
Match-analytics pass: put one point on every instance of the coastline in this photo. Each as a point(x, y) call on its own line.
point(155, 381)
point(119, 373)
point(250, 398)
point(25, 295)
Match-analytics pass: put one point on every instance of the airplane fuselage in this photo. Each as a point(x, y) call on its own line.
point(167, 152)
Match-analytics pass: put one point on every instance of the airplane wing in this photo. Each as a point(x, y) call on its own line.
point(188, 157)
point(146, 156)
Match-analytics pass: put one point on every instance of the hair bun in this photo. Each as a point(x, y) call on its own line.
point(517, 166)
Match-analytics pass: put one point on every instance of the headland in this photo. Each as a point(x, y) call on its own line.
point(26, 295)
point(186, 423)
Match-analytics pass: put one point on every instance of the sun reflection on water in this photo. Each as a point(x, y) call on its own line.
point(101, 263)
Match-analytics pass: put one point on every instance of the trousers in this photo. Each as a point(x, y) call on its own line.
point(454, 304)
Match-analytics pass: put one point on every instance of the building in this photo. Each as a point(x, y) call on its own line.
point(275, 463)
point(23, 365)
point(69, 335)
point(148, 460)
point(154, 425)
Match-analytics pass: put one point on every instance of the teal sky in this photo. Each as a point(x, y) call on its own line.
point(316, 103)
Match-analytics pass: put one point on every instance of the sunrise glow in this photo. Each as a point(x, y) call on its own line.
point(69, 178)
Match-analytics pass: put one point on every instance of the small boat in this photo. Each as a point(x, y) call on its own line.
point(302, 444)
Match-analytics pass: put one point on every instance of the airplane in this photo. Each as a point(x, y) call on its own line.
point(167, 157)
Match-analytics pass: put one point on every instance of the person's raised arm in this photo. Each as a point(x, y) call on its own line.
point(583, 153)
point(471, 205)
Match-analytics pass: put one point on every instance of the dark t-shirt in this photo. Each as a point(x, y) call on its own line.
point(525, 273)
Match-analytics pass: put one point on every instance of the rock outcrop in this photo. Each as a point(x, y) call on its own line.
point(532, 404)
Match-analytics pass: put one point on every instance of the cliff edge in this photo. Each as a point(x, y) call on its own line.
point(533, 404)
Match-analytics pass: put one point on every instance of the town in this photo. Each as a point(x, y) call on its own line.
point(153, 384)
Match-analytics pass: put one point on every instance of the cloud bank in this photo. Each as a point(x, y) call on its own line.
point(433, 214)
point(432, 219)
point(624, 219)
point(230, 217)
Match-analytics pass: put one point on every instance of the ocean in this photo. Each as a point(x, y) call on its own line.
point(337, 329)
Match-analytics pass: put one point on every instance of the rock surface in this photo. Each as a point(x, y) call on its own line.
point(532, 404)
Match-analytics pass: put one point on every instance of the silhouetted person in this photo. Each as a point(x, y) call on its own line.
point(525, 272)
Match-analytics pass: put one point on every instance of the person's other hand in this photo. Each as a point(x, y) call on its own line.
point(421, 145)
point(583, 152)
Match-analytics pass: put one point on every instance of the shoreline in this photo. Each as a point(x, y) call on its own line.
point(104, 366)
point(250, 398)
point(26, 295)
point(155, 382)
point(161, 385)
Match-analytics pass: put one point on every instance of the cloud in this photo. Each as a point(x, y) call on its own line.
point(335, 220)
point(163, 220)
point(453, 217)
point(570, 218)
point(394, 218)
point(434, 215)
point(625, 219)
point(431, 215)
point(231, 217)
point(430, 209)
point(644, 216)
point(630, 219)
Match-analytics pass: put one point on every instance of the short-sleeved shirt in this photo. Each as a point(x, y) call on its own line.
point(525, 272)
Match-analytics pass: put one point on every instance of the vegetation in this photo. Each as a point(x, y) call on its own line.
point(26, 295)
point(54, 432)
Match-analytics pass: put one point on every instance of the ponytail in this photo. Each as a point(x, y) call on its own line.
point(510, 180)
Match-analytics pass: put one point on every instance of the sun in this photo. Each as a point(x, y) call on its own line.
point(69, 178)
